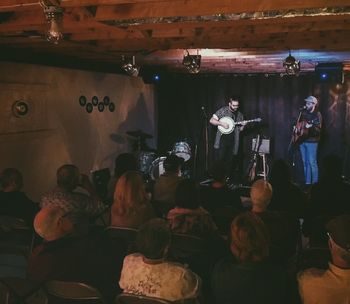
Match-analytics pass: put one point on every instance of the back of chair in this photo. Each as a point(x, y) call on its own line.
point(68, 291)
point(126, 298)
point(126, 234)
point(185, 245)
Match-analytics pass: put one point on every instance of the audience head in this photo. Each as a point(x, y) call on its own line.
point(11, 180)
point(331, 168)
point(260, 195)
point(53, 223)
point(125, 162)
point(186, 194)
point(68, 177)
point(153, 239)
point(130, 192)
point(280, 172)
point(172, 163)
point(339, 240)
point(249, 238)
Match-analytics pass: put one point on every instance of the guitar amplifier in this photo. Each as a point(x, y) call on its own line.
point(263, 146)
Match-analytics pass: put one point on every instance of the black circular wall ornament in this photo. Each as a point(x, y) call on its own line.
point(89, 107)
point(106, 100)
point(101, 106)
point(111, 107)
point(94, 101)
point(82, 100)
point(20, 108)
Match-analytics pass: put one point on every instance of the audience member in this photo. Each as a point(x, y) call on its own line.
point(70, 253)
point(188, 217)
point(283, 228)
point(165, 186)
point(148, 273)
point(14, 202)
point(286, 196)
point(247, 276)
point(65, 196)
point(131, 207)
point(124, 162)
point(330, 285)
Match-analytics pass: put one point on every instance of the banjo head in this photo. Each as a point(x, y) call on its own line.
point(230, 122)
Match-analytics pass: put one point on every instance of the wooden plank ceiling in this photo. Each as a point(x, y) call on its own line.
point(231, 36)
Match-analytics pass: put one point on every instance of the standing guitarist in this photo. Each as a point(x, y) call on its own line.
point(307, 133)
point(226, 145)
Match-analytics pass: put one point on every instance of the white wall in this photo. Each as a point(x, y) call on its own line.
point(57, 130)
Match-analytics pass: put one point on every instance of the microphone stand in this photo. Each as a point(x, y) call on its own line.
point(292, 139)
point(205, 118)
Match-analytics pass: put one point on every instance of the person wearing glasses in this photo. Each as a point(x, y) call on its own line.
point(330, 285)
point(226, 145)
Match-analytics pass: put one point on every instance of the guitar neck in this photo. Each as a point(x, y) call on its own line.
point(245, 121)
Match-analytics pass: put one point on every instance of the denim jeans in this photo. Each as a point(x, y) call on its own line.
point(308, 151)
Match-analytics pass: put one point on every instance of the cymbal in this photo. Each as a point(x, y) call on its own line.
point(139, 133)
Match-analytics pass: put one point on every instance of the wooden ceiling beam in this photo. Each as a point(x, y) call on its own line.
point(207, 7)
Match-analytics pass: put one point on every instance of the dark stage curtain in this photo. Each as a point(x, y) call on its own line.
point(275, 99)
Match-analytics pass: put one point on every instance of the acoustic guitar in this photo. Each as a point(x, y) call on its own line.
point(232, 124)
point(300, 131)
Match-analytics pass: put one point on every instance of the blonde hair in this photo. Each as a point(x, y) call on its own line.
point(249, 238)
point(261, 193)
point(129, 193)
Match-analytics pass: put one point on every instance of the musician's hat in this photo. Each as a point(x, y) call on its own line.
point(312, 99)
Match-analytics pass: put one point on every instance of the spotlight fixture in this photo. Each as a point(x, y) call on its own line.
point(291, 65)
point(54, 16)
point(129, 66)
point(192, 62)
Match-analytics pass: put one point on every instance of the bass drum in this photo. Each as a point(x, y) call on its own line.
point(157, 168)
point(182, 149)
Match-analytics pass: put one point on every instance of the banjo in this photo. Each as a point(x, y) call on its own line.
point(232, 124)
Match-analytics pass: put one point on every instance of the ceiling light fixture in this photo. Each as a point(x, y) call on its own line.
point(54, 16)
point(192, 62)
point(129, 66)
point(291, 65)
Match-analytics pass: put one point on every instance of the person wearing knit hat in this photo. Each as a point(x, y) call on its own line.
point(306, 134)
point(333, 284)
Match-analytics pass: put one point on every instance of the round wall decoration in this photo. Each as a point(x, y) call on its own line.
point(82, 100)
point(101, 106)
point(20, 108)
point(111, 107)
point(89, 107)
point(106, 100)
point(94, 101)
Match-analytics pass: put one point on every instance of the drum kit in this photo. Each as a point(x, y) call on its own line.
point(152, 166)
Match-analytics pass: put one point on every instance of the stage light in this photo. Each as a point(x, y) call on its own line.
point(54, 16)
point(291, 65)
point(129, 66)
point(192, 62)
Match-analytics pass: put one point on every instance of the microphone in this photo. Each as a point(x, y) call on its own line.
point(302, 108)
point(203, 111)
